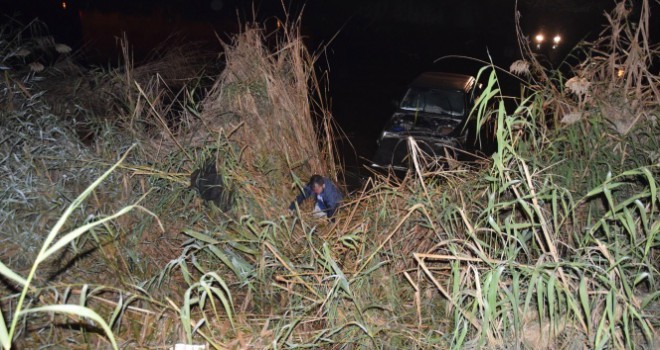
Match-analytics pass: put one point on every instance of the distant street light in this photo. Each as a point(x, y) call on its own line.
point(539, 40)
point(556, 41)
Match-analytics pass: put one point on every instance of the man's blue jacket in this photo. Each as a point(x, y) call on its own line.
point(328, 201)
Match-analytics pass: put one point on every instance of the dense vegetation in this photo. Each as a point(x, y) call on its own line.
point(550, 243)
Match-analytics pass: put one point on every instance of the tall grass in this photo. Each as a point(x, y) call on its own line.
point(534, 265)
point(552, 242)
point(51, 247)
point(265, 97)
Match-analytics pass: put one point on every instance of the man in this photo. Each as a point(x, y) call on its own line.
point(328, 196)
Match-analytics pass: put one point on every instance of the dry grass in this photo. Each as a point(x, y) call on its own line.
point(513, 254)
point(264, 98)
point(613, 81)
point(624, 91)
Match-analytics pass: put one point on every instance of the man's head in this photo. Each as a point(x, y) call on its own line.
point(316, 184)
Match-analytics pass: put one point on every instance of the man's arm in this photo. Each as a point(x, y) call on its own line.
point(306, 193)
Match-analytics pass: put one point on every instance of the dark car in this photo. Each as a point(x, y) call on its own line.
point(434, 115)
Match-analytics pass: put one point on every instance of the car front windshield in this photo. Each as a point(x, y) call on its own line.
point(437, 101)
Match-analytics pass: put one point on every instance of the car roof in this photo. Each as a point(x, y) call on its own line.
point(444, 81)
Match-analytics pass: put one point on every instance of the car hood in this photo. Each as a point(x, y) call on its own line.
point(413, 123)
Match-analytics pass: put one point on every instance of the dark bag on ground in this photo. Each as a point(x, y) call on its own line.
point(211, 186)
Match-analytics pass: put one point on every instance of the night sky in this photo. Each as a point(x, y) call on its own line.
point(413, 26)
point(380, 45)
